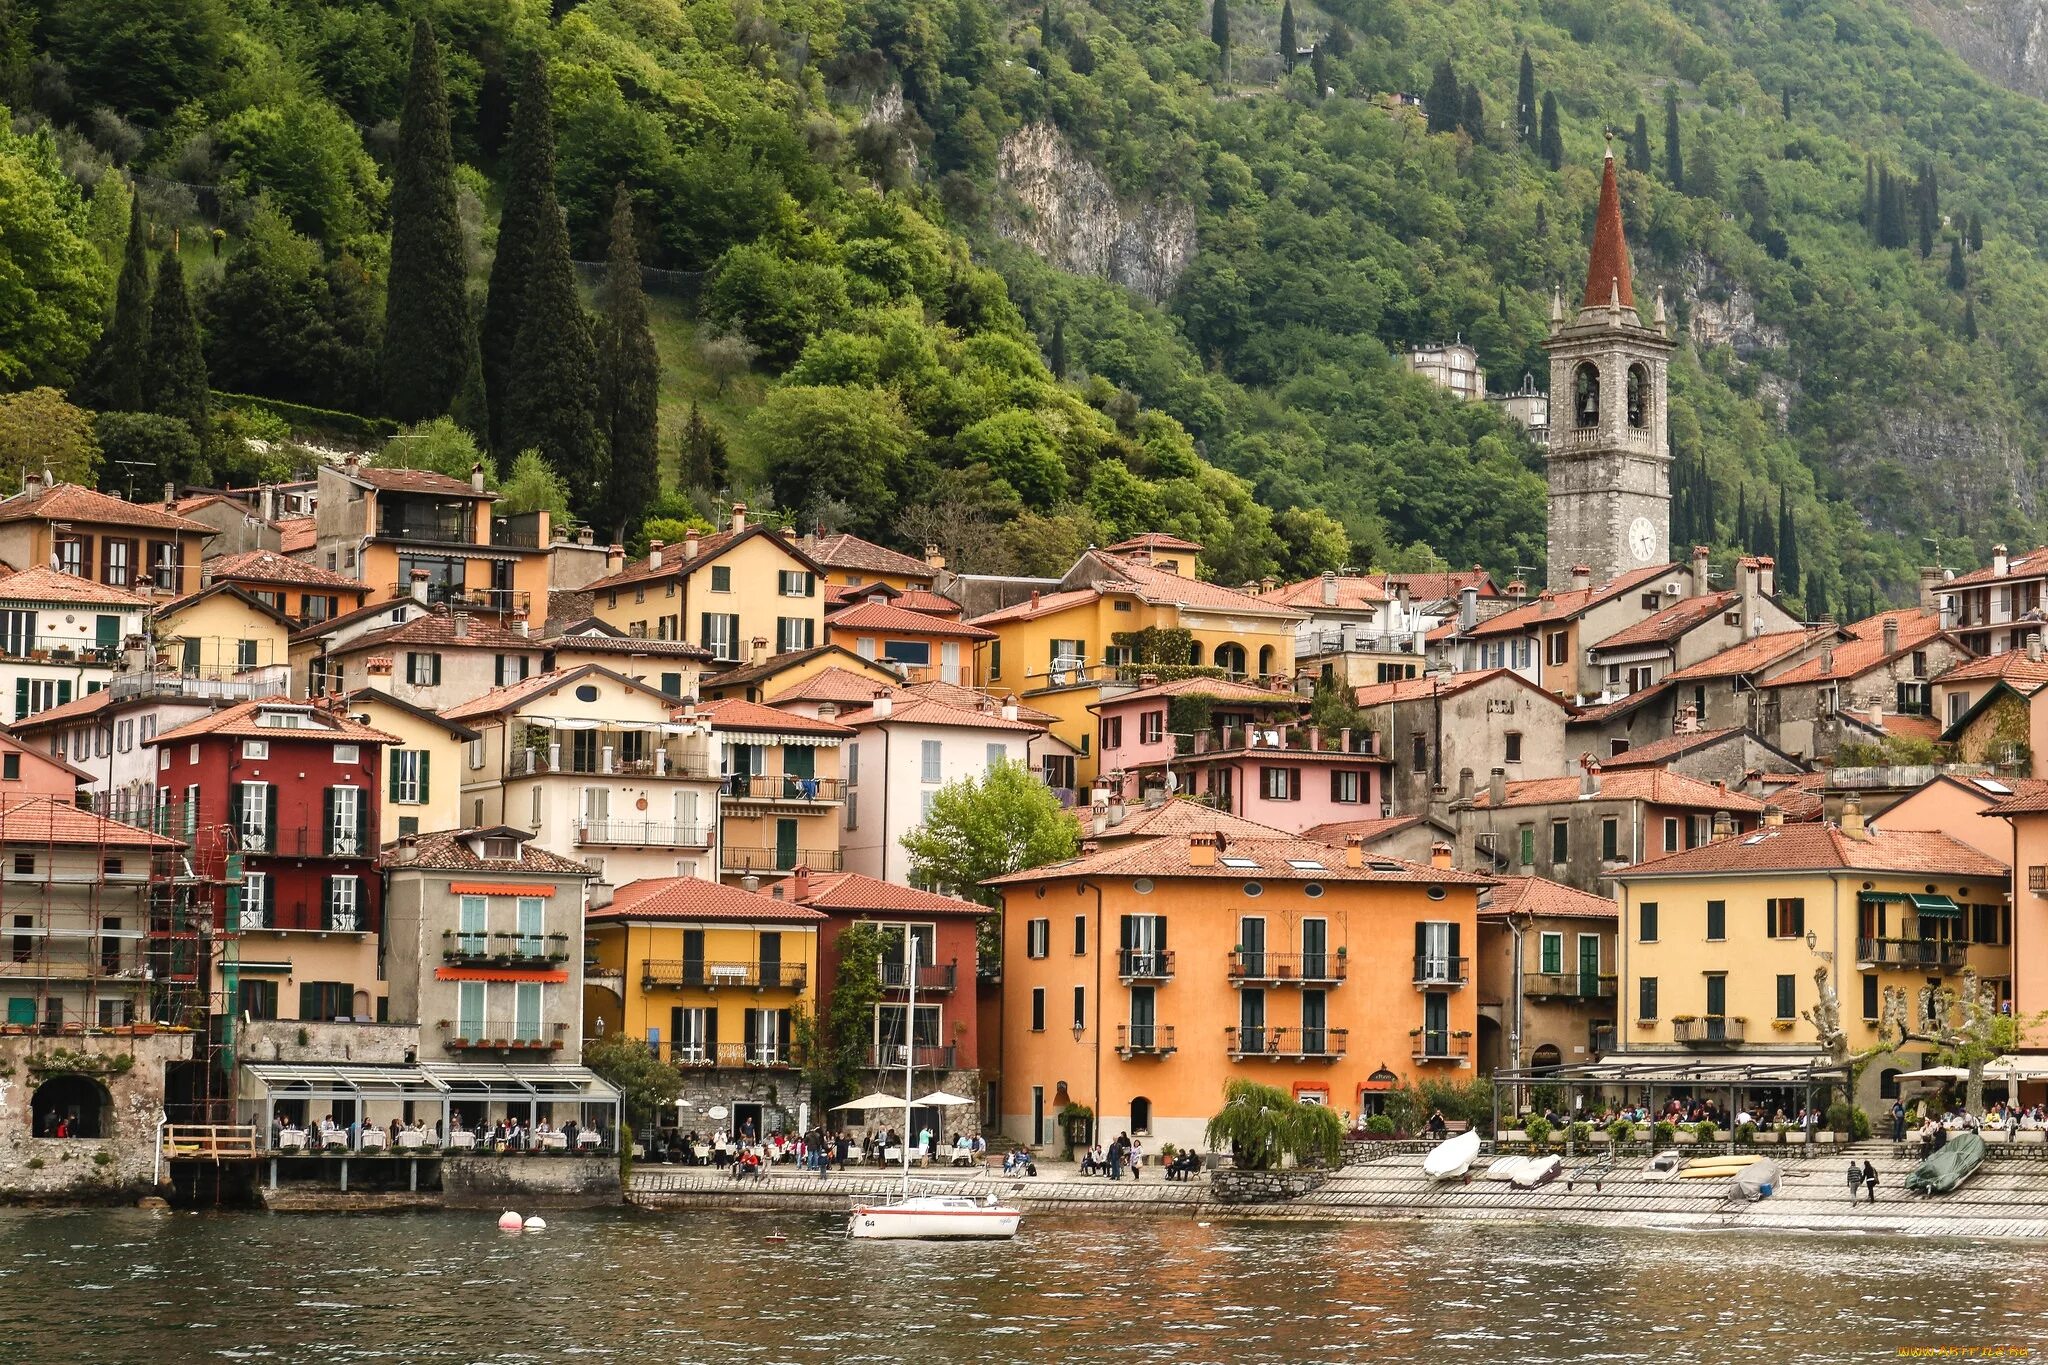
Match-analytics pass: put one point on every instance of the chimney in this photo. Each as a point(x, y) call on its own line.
point(1999, 563)
point(418, 585)
point(2034, 647)
point(1440, 854)
point(1852, 819)
point(654, 554)
point(1009, 711)
point(1497, 788)
point(1517, 589)
point(1202, 849)
point(1034, 599)
point(1700, 578)
point(1724, 825)
point(1267, 584)
point(1745, 580)
point(1354, 850)
point(690, 544)
point(800, 884)
point(460, 625)
point(1876, 716)
point(1688, 720)
point(1589, 776)
point(1464, 784)
point(1827, 660)
point(476, 477)
point(614, 558)
point(933, 558)
point(170, 493)
point(1329, 588)
point(1113, 814)
point(32, 482)
point(1766, 575)
point(1468, 607)
point(1582, 576)
point(1774, 817)
point(522, 627)
point(884, 704)
point(585, 536)
point(1930, 587)
point(739, 517)
point(750, 882)
point(408, 849)
point(1891, 635)
point(827, 710)
point(1148, 680)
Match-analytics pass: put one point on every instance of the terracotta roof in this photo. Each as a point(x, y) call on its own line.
point(603, 638)
point(1825, 848)
point(1607, 273)
point(1864, 650)
point(841, 686)
point(1669, 624)
point(1438, 587)
point(1752, 654)
point(516, 694)
point(388, 606)
point(1904, 727)
point(1658, 752)
point(240, 721)
point(42, 584)
point(296, 535)
point(91, 704)
point(370, 695)
point(1620, 706)
point(69, 502)
point(1565, 604)
point(448, 850)
point(926, 601)
point(1176, 819)
point(435, 628)
point(1039, 604)
point(953, 694)
point(2014, 666)
point(1221, 689)
point(843, 551)
point(1434, 685)
point(693, 898)
point(1337, 832)
point(1541, 896)
point(170, 609)
point(908, 710)
point(675, 563)
point(1152, 540)
point(2033, 562)
point(856, 891)
point(268, 566)
point(886, 617)
point(1353, 593)
point(1158, 585)
point(1270, 859)
point(735, 714)
point(777, 663)
point(32, 820)
point(412, 481)
point(2029, 795)
point(839, 595)
point(1658, 786)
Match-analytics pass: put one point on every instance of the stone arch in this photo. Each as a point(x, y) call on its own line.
point(1265, 661)
point(1888, 1083)
point(1638, 395)
point(80, 1100)
point(1546, 1058)
point(1586, 395)
point(1230, 657)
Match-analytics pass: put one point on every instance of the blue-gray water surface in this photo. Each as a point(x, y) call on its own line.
point(624, 1285)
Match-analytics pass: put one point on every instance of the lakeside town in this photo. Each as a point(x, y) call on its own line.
point(359, 840)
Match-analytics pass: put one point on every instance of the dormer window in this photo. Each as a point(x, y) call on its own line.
point(503, 850)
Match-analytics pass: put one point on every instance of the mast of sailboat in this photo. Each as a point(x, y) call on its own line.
point(909, 1046)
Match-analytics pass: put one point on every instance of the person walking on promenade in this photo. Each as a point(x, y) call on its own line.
point(1870, 1181)
point(1898, 1121)
point(1855, 1180)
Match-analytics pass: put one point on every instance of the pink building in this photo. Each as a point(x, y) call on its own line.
point(1238, 747)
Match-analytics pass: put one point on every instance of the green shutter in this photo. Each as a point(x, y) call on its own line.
point(269, 817)
point(327, 823)
point(234, 808)
point(392, 758)
point(425, 756)
point(363, 845)
point(327, 902)
point(20, 698)
point(63, 691)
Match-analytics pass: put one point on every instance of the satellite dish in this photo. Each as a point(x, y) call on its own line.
point(1172, 782)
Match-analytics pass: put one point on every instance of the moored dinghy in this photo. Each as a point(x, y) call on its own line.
point(1504, 1168)
point(1452, 1159)
point(1956, 1162)
point(1538, 1170)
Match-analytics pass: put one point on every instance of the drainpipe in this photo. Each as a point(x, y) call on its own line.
point(1096, 1129)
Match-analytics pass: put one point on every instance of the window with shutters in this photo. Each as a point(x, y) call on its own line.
point(163, 564)
point(472, 921)
point(1558, 644)
point(796, 583)
point(1646, 917)
point(1646, 998)
point(255, 911)
point(1347, 788)
point(528, 912)
point(1560, 841)
point(929, 752)
point(794, 632)
point(1786, 916)
point(40, 694)
point(1038, 1009)
point(470, 999)
point(409, 776)
point(1437, 951)
point(17, 632)
point(257, 999)
point(422, 669)
point(117, 561)
point(1152, 727)
point(253, 823)
point(344, 904)
point(1280, 784)
point(1528, 842)
point(1717, 919)
point(1551, 954)
point(720, 633)
point(1112, 732)
point(1038, 938)
point(1788, 996)
point(71, 556)
point(345, 821)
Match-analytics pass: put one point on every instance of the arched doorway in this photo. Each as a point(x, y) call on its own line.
point(1265, 661)
point(1141, 1114)
point(1546, 1058)
point(1230, 658)
point(78, 1101)
point(1888, 1083)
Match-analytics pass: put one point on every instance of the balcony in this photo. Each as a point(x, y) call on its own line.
point(929, 1057)
point(772, 860)
point(2037, 878)
point(933, 978)
point(1144, 1040)
point(1286, 969)
point(711, 976)
point(1568, 986)
point(779, 788)
point(1440, 1048)
point(1143, 964)
point(503, 1035)
point(1707, 1030)
point(301, 918)
point(503, 950)
point(1435, 972)
point(642, 834)
point(604, 753)
point(484, 601)
point(305, 843)
point(1918, 954)
point(729, 1056)
point(1287, 1044)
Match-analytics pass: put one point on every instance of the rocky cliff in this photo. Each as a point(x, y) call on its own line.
point(1058, 204)
point(2005, 41)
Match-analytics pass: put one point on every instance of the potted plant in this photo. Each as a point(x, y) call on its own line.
point(1663, 1133)
point(1745, 1132)
point(1538, 1131)
point(1579, 1133)
point(1621, 1130)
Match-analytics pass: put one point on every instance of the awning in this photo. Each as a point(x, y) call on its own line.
point(875, 1100)
point(2018, 1067)
point(487, 1080)
point(314, 1081)
point(1937, 1073)
point(556, 977)
point(1882, 896)
point(1940, 907)
point(246, 966)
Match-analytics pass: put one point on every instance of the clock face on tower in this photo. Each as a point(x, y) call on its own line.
point(1642, 539)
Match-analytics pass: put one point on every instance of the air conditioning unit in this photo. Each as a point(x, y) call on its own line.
point(1671, 588)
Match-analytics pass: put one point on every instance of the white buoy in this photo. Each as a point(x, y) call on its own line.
point(536, 1224)
point(509, 1221)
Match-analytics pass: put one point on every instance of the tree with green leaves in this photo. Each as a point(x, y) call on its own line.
point(982, 827)
point(1263, 1125)
point(629, 375)
point(1969, 320)
point(835, 1050)
point(1525, 104)
point(553, 404)
point(174, 376)
point(1976, 233)
point(426, 310)
point(531, 486)
point(1319, 67)
point(847, 443)
point(1785, 103)
point(1868, 216)
point(114, 375)
point(1056, 352)
point(39, 430)
point(1788, 546)
point(1219, 33)
point(1674, 155)
point(1472, 114)
point(1958, 273)
point(1550, 142)
point(1287, 34)
point(143, 451)
point(647, 1085)
point(1445, 102)
point(1639, 145)
point(702, 457)
point(531, 213)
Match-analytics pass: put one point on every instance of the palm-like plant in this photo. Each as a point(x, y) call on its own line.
point(1261, 1125)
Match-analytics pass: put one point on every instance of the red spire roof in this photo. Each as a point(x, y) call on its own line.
point(1607, 274)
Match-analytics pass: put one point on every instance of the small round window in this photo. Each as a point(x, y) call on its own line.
point(1313, 891)
point(1143, 886)
point(586, 693)
point(1254, 889)
point(1436, 893)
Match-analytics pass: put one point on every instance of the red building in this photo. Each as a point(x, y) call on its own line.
point(291, 792)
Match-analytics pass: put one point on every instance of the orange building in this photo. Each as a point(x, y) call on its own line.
point(1137, 979)
point(2026, 811)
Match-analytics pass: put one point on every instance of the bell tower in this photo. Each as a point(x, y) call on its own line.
point(1609, 460)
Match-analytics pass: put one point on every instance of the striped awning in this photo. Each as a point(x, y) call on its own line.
point(553, 978)
point(1939, 907)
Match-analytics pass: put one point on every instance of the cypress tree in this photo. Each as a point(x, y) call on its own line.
point(174, 376)
point(1785, 97)
point(629, 376)
point(552, 405)
point(1287, 34)
point(1788, 546)
point(1976, 233)
point(1958, 276)
point(426, 312)
point(703, 453)
point(1869, 215)
point(1926, 208)
point(1473, 116)
point(1542, 221)
point(1319, 67)
point(1525, 104)
point(115, 376)
point(1708, 529)
point(1445, 101)
point(1552, 139)
point(1970, 320)
point(1056, 354)
point(472, 407)
point(1639, 146)
point(1742, 519)
point(530, 210)
point(1674, 157)
point(1219, 33)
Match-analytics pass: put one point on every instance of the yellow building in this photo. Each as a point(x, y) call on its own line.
point(422, 771)
point(1719, 944)
point(780, 790)
point(306, 593)
point(850, 562)
point(770, 678)
point(1060, 650)
point(714, 978)
point(224, 631)
point(723, 591)
point(101, 538)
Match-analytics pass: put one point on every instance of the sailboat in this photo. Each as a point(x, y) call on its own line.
point(921, 1217)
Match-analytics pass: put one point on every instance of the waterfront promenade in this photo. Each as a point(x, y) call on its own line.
point(2006, 1199)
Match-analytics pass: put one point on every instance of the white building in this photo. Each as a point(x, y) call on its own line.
point(61, 637)
point(1454, 367)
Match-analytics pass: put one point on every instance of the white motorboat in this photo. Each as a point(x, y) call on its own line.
point(928, 1217)
point(1505, 1167)
point(1538, 1170)
point(1452, 1158)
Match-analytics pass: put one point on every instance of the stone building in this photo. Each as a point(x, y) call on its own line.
point(1545, 967)
point(1884, 669)
point(1443, 731)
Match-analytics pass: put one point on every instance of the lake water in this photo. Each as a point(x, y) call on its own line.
point(162, 1289)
